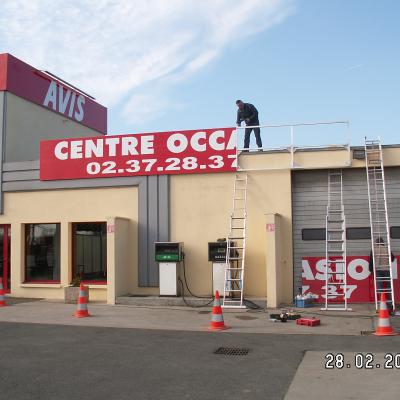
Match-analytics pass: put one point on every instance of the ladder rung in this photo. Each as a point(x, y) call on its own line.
point(235, 258)
point(234, 269)
point(237, 237)
point(236, 247)
point(336, 261)
point(238, 218)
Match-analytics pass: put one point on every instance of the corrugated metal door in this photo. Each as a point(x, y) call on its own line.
point(310, 197)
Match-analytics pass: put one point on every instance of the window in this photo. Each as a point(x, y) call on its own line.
point(358, 233)
point(395, 232)
point(90, 251)
point(313, 234)
point(42, 253)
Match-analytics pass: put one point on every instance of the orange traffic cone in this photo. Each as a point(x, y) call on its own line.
point(82, 310)
point(2, 298)
point(217, 319)
point(384, 327)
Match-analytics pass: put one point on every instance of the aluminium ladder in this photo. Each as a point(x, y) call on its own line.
point(335, 267)
point(380, 238)
point(236, 246)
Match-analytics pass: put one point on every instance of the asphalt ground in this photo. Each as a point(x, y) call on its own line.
point(57, 362)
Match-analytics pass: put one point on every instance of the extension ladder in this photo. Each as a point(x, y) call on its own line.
point(236, 246)
point(335, 267)
point(380, 238)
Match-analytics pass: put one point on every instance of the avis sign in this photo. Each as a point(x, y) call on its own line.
point(65, 101)
point(360, 283)
point(40, 88)
point(184, 152)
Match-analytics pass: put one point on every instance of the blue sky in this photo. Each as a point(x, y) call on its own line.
point(181, 64)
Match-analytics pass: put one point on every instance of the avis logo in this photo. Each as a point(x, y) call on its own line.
point(64, 101)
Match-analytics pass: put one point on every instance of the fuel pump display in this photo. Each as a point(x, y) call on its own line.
point(169, 256)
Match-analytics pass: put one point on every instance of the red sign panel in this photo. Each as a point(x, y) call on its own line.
point(185, 152)
point(360, 283)
point(31, 84)
point(270, 227)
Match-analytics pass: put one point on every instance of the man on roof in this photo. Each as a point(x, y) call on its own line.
point(249, 114)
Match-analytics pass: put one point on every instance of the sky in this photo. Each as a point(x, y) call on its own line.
point(168, 65)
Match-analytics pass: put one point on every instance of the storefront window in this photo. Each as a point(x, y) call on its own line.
point(90, 251)
point(42, 252)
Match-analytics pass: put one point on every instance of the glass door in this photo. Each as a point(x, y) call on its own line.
point(5, 251)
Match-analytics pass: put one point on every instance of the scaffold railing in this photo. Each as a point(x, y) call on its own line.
point(293, 143)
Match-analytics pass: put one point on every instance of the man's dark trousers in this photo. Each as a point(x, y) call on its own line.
point(256, 133)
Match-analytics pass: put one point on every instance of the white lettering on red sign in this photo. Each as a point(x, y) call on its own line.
point(360, 285)
point(64, 101)
point(209, 150)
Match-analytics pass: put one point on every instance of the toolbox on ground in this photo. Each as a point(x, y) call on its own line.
point(303, 303)
point(308, 321)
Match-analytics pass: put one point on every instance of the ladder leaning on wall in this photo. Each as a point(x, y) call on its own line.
point(236, 246)
point(336, 266)
point(380, 238)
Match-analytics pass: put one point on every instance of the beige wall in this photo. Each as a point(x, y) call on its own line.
point(66, 207)
point(200, 212)
point(23, 134)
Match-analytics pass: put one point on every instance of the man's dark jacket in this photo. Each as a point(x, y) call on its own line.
point(249, 114)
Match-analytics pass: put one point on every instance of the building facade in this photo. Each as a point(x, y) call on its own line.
point(104, 229)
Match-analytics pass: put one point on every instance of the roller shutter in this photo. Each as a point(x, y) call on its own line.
point(310, 196)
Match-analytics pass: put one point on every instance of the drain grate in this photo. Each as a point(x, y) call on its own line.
point(365, 333)
point(203, 312)
point(232, 351)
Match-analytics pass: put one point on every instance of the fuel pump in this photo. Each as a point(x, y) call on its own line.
point(169, 256)
point(217, 255)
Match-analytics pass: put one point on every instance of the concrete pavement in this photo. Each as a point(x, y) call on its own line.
point(47, 362)
point(314, 382)
point(183, 318)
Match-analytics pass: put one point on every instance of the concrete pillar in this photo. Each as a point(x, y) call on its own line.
point(111, 272)
point(275, 293)
point(17, 256)
point(65, 254)
point(117, 258)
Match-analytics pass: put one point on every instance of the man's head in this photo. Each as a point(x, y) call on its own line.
point(240, 104)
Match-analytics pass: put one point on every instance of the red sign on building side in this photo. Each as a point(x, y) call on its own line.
point(183, 152)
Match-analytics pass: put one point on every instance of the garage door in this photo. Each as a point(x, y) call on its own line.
point(310, 197)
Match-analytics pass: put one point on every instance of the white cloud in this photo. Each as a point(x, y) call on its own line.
point(142, 107)
point(111, 49)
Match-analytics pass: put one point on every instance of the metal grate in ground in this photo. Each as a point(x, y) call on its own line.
point(232, 351)
point(365, 333)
